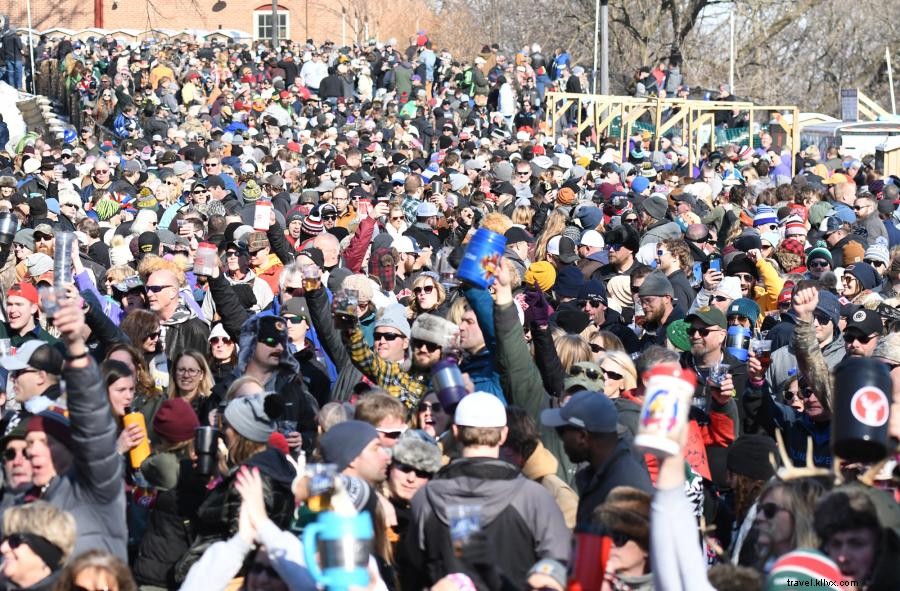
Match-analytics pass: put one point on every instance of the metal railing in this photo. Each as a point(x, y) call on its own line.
point(51, 82)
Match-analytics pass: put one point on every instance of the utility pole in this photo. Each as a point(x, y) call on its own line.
point(275, 26)
point(604, 46)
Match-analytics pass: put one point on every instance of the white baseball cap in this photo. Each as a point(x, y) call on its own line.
point(592, 238)
point(480, 409)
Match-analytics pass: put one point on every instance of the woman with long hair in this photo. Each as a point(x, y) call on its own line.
point(429, 295)
point(192, 380)
point(147, 397)
point(119, 382)
point(96, 569)
point(142, 329)
point(619, 373)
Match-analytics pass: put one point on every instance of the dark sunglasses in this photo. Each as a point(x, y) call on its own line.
point(406, 469)
point(432, 406)
point(595, 303)
point(295, 319)
point(770, 510)
point(387, 336)
point(611, 374)
point(721, 298)
point(822, 318)
point(803, 393)
point(154, 335)
point(863, 339)
point(329, 216)
point(875, 263)
point(396, 218)
point(703, 332)
point(10, 454)
point(432, 347)
point(595, 348)
point(619, 539)
point(157, 288)
point(426, 288)
point(615, 246)
point(217, 340)
point(577, 370)
point(819, 264)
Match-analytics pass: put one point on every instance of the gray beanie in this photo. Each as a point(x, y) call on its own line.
point(393, 316)
point(25, 237)
point(418, 449)
point(341, 444)
point(433, 329)
point(656, 206)
point(247, 416)
point(656, 284)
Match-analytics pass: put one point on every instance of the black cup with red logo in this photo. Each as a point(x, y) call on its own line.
point(862, 406)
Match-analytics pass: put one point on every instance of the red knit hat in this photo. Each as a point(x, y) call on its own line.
point(54, 423)
point(175, 421)
point(792, 246)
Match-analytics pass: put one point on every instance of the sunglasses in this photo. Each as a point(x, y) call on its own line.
point(744, 277)
point(862, 339)
point(10, 454)
point(387, 336)
point(432, 406)
point(595, 348)
point(590, 373)
point(821, 318)
point(703, 332)
point(818, 264)
point(619, 539)
point(428, 289)
point(630, 221)
point(217, 340)
point(329, 216)
point(391, 433)
point(875, 263)
point(595, 303)
point(20, 372)
point(611, 374)
point(157, 288)
point(770, 510)
point(257, 568)
point(208, 164)
point(660, 253)
point(406, 469)
point(154, 335)
point(615, 246)
point(721, 298)
point(396, 218)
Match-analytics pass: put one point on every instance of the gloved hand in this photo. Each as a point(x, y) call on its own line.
point(538, 311)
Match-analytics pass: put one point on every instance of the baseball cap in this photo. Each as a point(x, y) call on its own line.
point(37, 355)
point(427, 209)
point(865, 321)
point(591, 411)
point(709, 316)
point(592, 238)
point(406, 244)
point(517, 234)
point(480, 409)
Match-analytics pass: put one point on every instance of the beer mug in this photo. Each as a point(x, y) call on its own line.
point(321, 486)
point(763, 351)
point(312, 277)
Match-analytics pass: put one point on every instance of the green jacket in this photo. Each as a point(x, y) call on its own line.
point(522, 384)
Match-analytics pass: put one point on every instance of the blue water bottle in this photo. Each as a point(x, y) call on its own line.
point(447, 383)
point(344, 543)
point(481, 261)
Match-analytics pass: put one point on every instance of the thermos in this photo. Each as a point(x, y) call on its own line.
point(262, 215)
point(206, 447)
point(862, 407)
point(738, 342)
point(592, 550)
point(668, 392)
point(9, 224)
point(343, 544)
point(481, 261)
point(141, 452)
point(447, 382)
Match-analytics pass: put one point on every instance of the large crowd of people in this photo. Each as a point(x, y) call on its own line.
point(236, 321)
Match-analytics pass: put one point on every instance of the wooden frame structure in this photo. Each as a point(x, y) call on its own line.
point(692, 120)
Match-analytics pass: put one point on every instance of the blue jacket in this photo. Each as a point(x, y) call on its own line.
point(480, 366)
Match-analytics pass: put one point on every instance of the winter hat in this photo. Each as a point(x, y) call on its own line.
point(54, 423)
point(417, 449)
point(764, 216)
point(749, 455)
point(677, 334)
point(803, 567)
point(878, 252)
point(394, 316)
point(741, 264)
point(626, 510)
point(568, 282)
point(792, 246)
point(853, 252)
point(819, 252)
point(793, 226)
point(655, 206)
point(744, 307)
point(252, 416)
point(865, 273)
point(251, 191)
point(589, 217)
point(565, 196)
point(818, 212)
point(480, 409)
point(656, 284)
point(341, 444)
point(25, 237)
point(541, 274)
point(312, 224)
point(771, 237)
point(433, 329)
point(729, 287)
point(175, 420)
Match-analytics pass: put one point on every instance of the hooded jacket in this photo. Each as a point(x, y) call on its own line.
point(184, 330)
point(541, 467)
point(519, 516)
point(93, 488)
point(287, 380)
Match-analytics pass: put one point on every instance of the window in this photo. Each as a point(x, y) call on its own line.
point(262, 24)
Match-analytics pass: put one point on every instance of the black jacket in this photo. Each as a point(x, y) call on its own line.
point(621, 469)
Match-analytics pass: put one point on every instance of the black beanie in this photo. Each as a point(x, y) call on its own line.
point(749, 455)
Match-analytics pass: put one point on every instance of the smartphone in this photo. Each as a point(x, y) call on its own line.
point(716, 265)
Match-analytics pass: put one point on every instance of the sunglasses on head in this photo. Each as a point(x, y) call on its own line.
point(387, 336)
point(577, 370)
point(428, 289)
point(406, 469)
point(432, 347)
point(702, 331)
point(217, 340)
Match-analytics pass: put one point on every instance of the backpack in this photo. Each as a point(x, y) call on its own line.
point(466, 82)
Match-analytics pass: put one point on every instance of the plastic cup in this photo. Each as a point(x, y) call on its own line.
point(763, 351)
point(5, 347)
point(717, 374)
point(321, 486)
point(51, 298)
point(312, 277)
point(62, 258)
